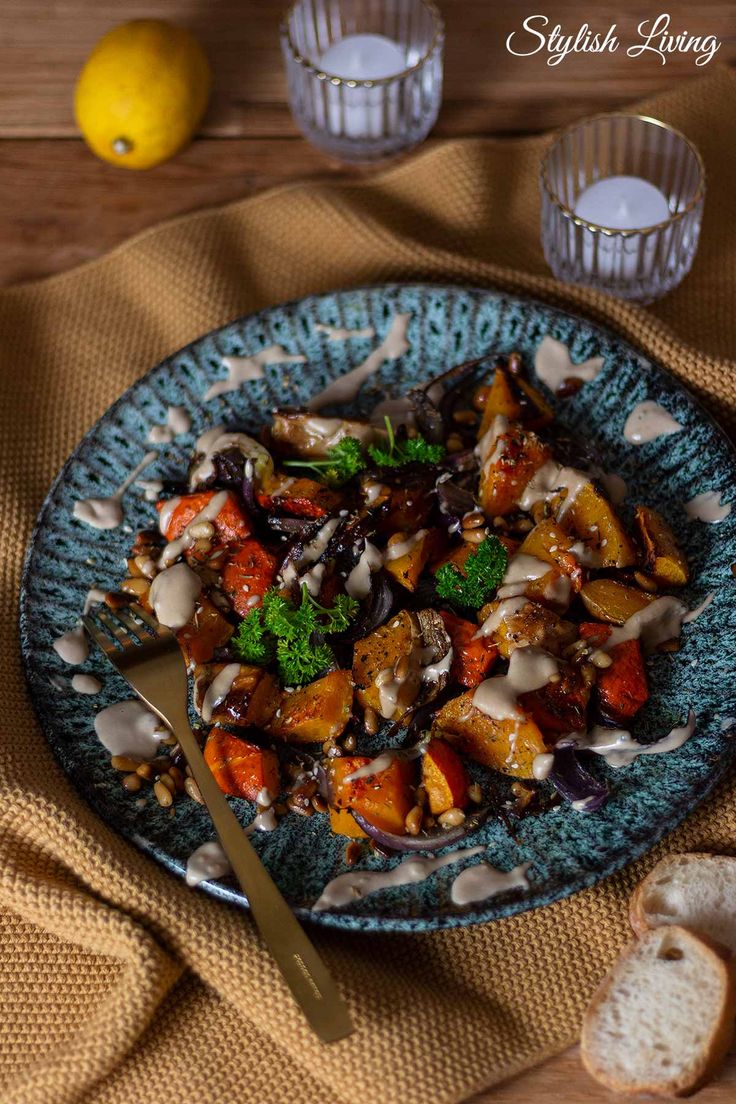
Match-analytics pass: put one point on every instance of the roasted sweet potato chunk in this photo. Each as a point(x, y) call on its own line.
point(560, 706)
point(508, 746)
point(241, 769)
point(248, 573)
point(231, 524)
point(662, 556)
point(316, 712)
point(622, 688)
point(407, 568)
point(444, 778)
point(472, 657)
point(517, 455)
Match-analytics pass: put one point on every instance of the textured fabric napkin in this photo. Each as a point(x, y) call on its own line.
point(119, 984)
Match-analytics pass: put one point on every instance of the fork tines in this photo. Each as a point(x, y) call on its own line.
point(121, 624)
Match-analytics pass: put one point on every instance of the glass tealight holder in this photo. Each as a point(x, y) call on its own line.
point(639, 262)
point(365, 76)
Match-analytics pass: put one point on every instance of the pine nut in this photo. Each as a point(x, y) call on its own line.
point(163, 794)
point(428, 823)
point(177, 776)
point(352, 853)
point(319, 804)
point(475, 793)
point(474, 520)
point(124, 763)
point(454, 443)
point(349, 744)
point(145, 565)
point(600, 658)
point(465, 417)
point(524, 525)
point(145, 770)
point(201, 530)
point(474, 536)
point(452, 818)
point(132, 782)
point(139, 587)
point(370, 721)
point(413, 821)
point(500, 523)
point(401, 668)
point(192, 789)
point(166, 780)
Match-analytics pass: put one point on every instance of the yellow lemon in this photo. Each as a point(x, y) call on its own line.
point(141, 93)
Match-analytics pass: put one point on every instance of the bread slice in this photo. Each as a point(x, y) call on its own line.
point(695, 890)
point(662, 1019)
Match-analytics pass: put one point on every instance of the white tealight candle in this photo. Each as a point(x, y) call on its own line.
point(620, 203)
point(359, 112)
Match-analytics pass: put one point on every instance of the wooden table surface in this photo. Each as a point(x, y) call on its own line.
point(62, 206)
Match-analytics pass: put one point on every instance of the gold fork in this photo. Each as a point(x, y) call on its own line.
point(148, 657)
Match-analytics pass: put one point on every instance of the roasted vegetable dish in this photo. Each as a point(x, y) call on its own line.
point(409, 626)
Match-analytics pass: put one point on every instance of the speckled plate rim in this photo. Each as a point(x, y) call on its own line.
point(340, 919)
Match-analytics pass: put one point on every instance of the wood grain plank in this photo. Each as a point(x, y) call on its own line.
point(44, 44)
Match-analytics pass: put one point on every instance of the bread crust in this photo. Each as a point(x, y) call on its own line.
point(689, 1081)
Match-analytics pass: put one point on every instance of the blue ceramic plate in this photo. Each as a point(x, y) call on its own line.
point(567, 850)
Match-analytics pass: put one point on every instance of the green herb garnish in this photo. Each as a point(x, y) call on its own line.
point(343, 461)
point(482, 574)
point(411, 451)
point(281, 629)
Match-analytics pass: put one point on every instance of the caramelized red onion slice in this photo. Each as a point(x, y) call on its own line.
point(573, 782)
point(425, 841)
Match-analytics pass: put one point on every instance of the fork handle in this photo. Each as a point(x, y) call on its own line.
point(304, 971)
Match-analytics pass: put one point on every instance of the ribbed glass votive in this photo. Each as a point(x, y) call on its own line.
point(365, 76)
point(642, 169)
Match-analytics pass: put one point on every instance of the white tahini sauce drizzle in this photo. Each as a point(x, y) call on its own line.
point(399, 411)
point(174, 594)
point(207, 863)
point(359, 883)
point(219, 439)
point(174, 548)
point(346, 387)
point(708, 507)
point(241, 369)
point(178, 421)
point(403, 548)
point(505, 609)
point(129, 728)
point(487, 445)
point(152, 488)
point(265, 819)
point(661, 620)
point(649, 420)
point(529, 669)
point(549, 481)
point(322, 434)
point(86, 684)
point(694, 614)
point(522, 569)
point(339, 333)
point(542, 765)
point(383, 761)
point(107, 513)
point(218, 689)
point(479, 882)
point(311, 553)
point(358, 582)
point(72, 646)
point(620, 749)
point(553, 365)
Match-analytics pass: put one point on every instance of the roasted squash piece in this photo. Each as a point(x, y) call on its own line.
point(662, 556)
point(508, 746)
point(316, 712)
point(207, 631)
point(549, 542)
point(444, 778)
point(384, 799)
point(231, 524)
point(592, 518)
point(517, 455)
point(608, 600)
point(233, 709)
point(374, 663)
point(310, 435)
point(241, 769)
point(622, 688)
point(409, 506)
point(248, 573)
point(516, 399)
point(522, 623)
point(343, 823)
point(472, 656)
point(416, 551)
point(264, 701)
point(560, 706)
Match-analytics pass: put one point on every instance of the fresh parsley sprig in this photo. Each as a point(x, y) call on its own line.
point(482, 574)
point(411, 451)
point(282, 630)
point(342, 462)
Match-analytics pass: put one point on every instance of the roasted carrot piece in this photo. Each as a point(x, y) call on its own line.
point(207, 631)
point(559, 706)
point(444, 778)
point(241, 769)
point(472, 658)
point(594, 633)
point(622, 688)
point(248, 573)
point(231, 524)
